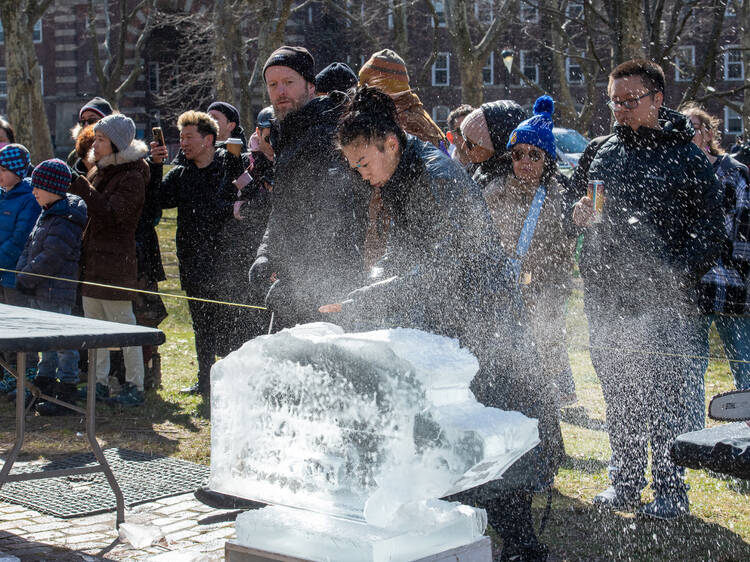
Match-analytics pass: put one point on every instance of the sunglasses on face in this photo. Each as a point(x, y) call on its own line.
point(533, 154)
point(89, 121)
point(469, 145)
point(267, 138)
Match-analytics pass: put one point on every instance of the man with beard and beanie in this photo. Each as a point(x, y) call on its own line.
point(202, 191)
point(645, 250)
point(228, 118)
point(311, 250)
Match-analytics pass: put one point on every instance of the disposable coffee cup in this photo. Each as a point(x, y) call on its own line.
point(235, 146)
point(595, 192)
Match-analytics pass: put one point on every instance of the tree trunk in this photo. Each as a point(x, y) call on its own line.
point(626, 20)
point(400, 30)
point(25, 103)
point(472, 88)
point(225, 42)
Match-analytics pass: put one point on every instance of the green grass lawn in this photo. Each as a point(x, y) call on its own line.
point(172, 424)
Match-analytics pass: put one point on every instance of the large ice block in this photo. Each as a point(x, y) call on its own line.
point(421, 529)
point(355, 425)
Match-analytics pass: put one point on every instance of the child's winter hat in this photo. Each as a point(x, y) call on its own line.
point(118, 129)
point(537, 131)
point(53, 176)
point(15, 157)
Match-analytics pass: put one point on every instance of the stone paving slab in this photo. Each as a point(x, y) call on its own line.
point(189, 526)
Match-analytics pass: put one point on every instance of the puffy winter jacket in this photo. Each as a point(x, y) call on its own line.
point(204, 198)
point(18, 213)
point(114, 193)
point(54, 248)
point(662, 226)
point(445, 272)
point(315, 235)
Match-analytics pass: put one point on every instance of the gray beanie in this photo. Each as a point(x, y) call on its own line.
point(120, 130)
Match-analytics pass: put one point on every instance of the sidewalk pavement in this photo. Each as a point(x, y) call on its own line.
point(192, 532)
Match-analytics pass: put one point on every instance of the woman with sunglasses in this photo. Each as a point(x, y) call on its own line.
point(444, 271)
point(525, 201)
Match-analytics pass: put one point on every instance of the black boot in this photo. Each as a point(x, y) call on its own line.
point(510, 515)
point(67, 392)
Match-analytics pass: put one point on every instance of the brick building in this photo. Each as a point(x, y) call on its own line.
point(69, 78)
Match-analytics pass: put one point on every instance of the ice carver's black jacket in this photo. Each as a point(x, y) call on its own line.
point(444, 271)
point(315, 232)
point(662, 226)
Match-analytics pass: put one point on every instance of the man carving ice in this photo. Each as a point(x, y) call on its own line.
point(311, 249)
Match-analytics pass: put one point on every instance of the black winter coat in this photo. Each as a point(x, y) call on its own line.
point(445, 272)
point(315, 236)
point(662, 226)
point(54, 248)
point(204, 199)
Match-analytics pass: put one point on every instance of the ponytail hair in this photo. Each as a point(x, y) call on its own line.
point(371, 116)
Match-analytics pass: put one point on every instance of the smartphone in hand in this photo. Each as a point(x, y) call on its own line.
point(158, 136)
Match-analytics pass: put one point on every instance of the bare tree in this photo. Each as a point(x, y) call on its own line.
point(25, 102)
point(472, 56)
point(110, 55)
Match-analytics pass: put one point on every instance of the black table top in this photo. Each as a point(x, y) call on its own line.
point(27, 329)
point(724, 448)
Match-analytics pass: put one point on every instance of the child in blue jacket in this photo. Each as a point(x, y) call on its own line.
point(54, 249)
point(18, 213)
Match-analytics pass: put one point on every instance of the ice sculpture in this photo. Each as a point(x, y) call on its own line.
point(365, 430)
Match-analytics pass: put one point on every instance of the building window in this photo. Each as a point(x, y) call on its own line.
point(439, 6)
point(41, 79)
point(684, 63)
point(733, 67)
point(732, 122)
point(153, 77)
point(488, 71)
point(390, 14)
point(529, 12)
point(440, 115)
point(484, 10)
point(89, 68)
point(529, 65)
point(731, 10)
point(573, 70)
point(441, 70)
point(574, 11)
point(3, 83)
point(36, 32)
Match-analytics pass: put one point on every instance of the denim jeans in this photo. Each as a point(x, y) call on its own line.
point(735, 335)
point(56, 364)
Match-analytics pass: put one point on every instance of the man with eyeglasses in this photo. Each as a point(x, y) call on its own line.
point(660, 229)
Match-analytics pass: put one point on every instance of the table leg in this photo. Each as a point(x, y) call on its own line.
point(91, 433)
point(20, 416)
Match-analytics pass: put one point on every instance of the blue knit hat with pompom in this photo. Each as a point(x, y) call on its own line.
point(537, 131)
